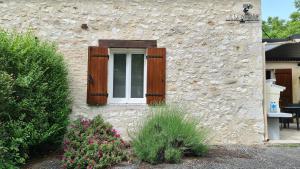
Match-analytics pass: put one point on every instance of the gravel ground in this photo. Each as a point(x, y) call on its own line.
point(219, 157)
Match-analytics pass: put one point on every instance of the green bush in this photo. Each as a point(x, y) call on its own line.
point(6, 82)
point(166, 136)
point(34, 96)
point(92, 144)
point(173, 155)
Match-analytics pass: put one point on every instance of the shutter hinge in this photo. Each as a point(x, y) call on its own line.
point(153, 94)
point(90, 79)
point(99, 94)
point(153, 56)
point(99, 55)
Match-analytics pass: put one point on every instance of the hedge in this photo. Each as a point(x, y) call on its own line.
point(34, 97)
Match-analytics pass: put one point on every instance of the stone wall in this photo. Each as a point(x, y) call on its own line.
point(214, 67)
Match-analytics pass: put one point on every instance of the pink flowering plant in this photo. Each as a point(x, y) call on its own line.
point(92, 144)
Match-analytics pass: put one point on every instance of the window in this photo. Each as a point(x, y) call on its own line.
point(119, 73)
point(270, 74)
point(127, 76)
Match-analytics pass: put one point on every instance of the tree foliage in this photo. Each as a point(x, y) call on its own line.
point(275, 27)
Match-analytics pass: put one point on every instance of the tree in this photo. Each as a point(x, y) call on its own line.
point(297, 4)
point(280, 28)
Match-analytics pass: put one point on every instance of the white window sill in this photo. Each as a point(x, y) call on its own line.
point(129, 104)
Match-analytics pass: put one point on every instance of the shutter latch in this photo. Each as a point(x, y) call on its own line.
point(90, 78)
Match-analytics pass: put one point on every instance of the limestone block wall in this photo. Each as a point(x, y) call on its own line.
point(214, 67)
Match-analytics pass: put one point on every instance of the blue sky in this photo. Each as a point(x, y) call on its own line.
point(280, 8)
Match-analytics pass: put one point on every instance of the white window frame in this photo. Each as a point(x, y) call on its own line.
point(127, 99)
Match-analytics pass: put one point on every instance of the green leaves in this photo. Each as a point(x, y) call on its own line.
point(297, 4)
point(92, 144)
point(167, 135)
point(279, 28)
point(34, 95)
point(6, 91)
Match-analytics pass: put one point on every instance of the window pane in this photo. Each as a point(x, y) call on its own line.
point(119, 79)
point(137, 76)
point(268, 74)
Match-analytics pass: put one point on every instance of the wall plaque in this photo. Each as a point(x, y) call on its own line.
point(246, 16)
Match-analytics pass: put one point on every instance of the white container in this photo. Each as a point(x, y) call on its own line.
point(273, 95)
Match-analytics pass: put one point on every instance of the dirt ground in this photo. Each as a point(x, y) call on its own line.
point(219, 157)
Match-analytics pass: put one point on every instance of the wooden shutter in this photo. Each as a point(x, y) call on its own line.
point(156, 75)
point(97, 76)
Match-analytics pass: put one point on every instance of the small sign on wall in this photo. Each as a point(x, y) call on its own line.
point(246, 15)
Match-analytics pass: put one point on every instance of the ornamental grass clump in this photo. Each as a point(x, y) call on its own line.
point(34, 97)
point(92, 144)
point(167, 136)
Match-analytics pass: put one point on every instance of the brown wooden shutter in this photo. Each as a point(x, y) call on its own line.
point(97, 76)
point(156, 75)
